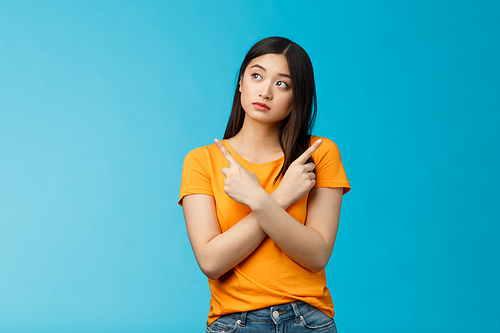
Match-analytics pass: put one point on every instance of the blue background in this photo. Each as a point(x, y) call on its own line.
point(101, 100)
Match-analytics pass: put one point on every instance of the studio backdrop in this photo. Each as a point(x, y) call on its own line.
point(101, 100)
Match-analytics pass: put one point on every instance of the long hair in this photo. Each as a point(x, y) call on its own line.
point(296, 129)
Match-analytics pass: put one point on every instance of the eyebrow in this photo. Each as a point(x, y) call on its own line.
point(280, 74)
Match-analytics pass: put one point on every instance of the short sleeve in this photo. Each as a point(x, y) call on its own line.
point(329, 169)
point(195, 174)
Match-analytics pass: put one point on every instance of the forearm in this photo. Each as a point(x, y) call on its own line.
point(304, 245)
point(227, 249)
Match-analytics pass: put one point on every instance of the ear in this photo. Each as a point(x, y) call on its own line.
point(239, 84)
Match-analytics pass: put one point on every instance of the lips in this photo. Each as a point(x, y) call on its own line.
point(261, 106)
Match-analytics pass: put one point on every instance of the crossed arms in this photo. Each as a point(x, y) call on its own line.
point(309, 244)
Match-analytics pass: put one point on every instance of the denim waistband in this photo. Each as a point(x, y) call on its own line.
point(276, 313)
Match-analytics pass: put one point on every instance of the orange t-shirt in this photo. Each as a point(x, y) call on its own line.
point(268, 276)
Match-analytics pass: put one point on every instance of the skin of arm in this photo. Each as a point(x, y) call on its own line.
point(309, 245)
point(217, 252)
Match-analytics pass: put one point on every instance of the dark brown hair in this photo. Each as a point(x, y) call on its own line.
point(296, 129)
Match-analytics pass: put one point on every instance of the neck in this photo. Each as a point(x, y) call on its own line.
point(257, 141)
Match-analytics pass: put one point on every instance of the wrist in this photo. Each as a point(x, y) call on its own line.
point(259, 200)
point(280, 199)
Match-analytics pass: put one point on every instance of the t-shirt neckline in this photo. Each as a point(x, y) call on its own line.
point(241, 159)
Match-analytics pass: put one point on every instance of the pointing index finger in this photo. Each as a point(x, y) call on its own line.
point(308, 153)
point(227, 155)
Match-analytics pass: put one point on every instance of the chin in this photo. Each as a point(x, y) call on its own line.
point(264, 119)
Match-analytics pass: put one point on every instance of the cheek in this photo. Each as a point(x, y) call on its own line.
point(245, 88)
point(289, 103)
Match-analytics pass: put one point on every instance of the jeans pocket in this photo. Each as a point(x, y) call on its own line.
point(224, 324)
point(316, 320)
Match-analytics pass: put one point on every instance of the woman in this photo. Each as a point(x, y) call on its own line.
point(262, 206)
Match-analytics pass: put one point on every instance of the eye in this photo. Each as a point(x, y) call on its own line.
point(282, 84)
point(256, 76)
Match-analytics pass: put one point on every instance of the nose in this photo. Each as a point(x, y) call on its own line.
point(266, 93)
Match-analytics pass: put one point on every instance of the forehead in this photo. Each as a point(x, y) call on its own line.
point(273, 63)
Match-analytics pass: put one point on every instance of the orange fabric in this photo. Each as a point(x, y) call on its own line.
point(268, 276)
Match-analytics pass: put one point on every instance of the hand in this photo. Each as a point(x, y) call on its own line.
point(240, 185)
point(298, 180)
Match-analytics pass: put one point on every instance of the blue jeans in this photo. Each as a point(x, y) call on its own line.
point(295, 317)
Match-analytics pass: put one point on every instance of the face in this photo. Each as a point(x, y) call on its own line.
point(266, 89)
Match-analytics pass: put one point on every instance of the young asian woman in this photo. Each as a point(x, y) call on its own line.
point(262, 206)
